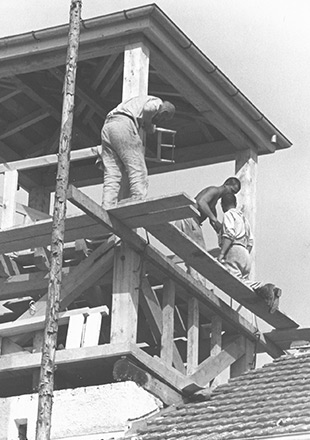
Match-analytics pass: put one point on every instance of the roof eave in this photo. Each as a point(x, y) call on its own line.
point(152, 22)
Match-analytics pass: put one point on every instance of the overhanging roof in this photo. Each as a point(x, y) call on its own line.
point(213, 121)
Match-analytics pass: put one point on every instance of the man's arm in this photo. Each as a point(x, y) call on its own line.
point(225, 245)
point(150, 109)
point(206, 201)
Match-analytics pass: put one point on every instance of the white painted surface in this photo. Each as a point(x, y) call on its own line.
point(103, 411)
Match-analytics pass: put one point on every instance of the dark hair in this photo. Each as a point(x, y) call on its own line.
point(228, 200)
point(168, 108)
point(233, 181)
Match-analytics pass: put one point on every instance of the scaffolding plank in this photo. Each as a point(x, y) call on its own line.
point(130, 208)
point(210, 268)
point(82, 226)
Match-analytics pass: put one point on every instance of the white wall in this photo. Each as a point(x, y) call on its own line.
point(103, 411)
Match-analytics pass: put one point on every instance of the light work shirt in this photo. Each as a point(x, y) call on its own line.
point(236, 228)
point(137, 107)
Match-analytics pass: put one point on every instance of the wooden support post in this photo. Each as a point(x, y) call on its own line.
point(135, 83)
point(9, 199)
point(46, 387)
point(192, 335)
point(167, 342)
point(125, 297)
point(39, 198)
point(216, 335)
point(246, 171)
point(136, 70)
point(216, 345)
point(245, 362)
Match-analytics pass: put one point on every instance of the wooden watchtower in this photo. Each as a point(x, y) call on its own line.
point(128, 311)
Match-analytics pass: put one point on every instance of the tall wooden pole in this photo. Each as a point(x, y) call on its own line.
point(46, 386)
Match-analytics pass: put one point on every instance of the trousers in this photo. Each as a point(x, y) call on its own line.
point(122, 154)
point(192, 229)
point(238, 263)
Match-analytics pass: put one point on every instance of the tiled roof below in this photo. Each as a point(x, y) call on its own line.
point(271, 401)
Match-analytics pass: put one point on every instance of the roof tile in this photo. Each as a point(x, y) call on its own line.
point(271, 400)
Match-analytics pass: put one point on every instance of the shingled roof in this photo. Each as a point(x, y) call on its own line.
point(271, 401)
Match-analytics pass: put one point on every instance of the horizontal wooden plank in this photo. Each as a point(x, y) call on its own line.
point(28, 361)
point(36, 323)
point(127, 208)
point(284, 338)
point(44, 161)
point(210, 268)
point(82, 226)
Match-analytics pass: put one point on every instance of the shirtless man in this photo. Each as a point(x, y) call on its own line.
point(207, 199)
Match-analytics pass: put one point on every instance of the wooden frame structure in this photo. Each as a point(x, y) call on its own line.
point(128, 311)
point(147, 321)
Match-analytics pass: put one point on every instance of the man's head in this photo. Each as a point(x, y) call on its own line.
point(233, 185)
point(228, 201)
point(165, 113)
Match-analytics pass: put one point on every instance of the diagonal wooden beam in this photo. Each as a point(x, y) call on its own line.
point(210, 268)
point(39, 96)
point(86, 274)
point(214, 365)
point(109, 82)
point(84, 92)
point(24, 122)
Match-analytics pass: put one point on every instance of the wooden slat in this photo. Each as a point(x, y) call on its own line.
point(75, 331)
point(37, 323)
point(210, 268)
point(92, 329)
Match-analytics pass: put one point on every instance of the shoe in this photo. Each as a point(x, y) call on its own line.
point(275, 304)
point(270, 294)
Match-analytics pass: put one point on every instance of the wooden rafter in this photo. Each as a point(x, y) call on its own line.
point(38, 95)
point(26, 121)
point(5, 95)
point(100, 72)
point(110, 79)
point(207, 109)
point(84, 92)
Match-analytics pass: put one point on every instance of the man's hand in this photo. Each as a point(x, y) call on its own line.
point(216, 225)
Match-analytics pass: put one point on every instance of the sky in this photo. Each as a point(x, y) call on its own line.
point(263, 47)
